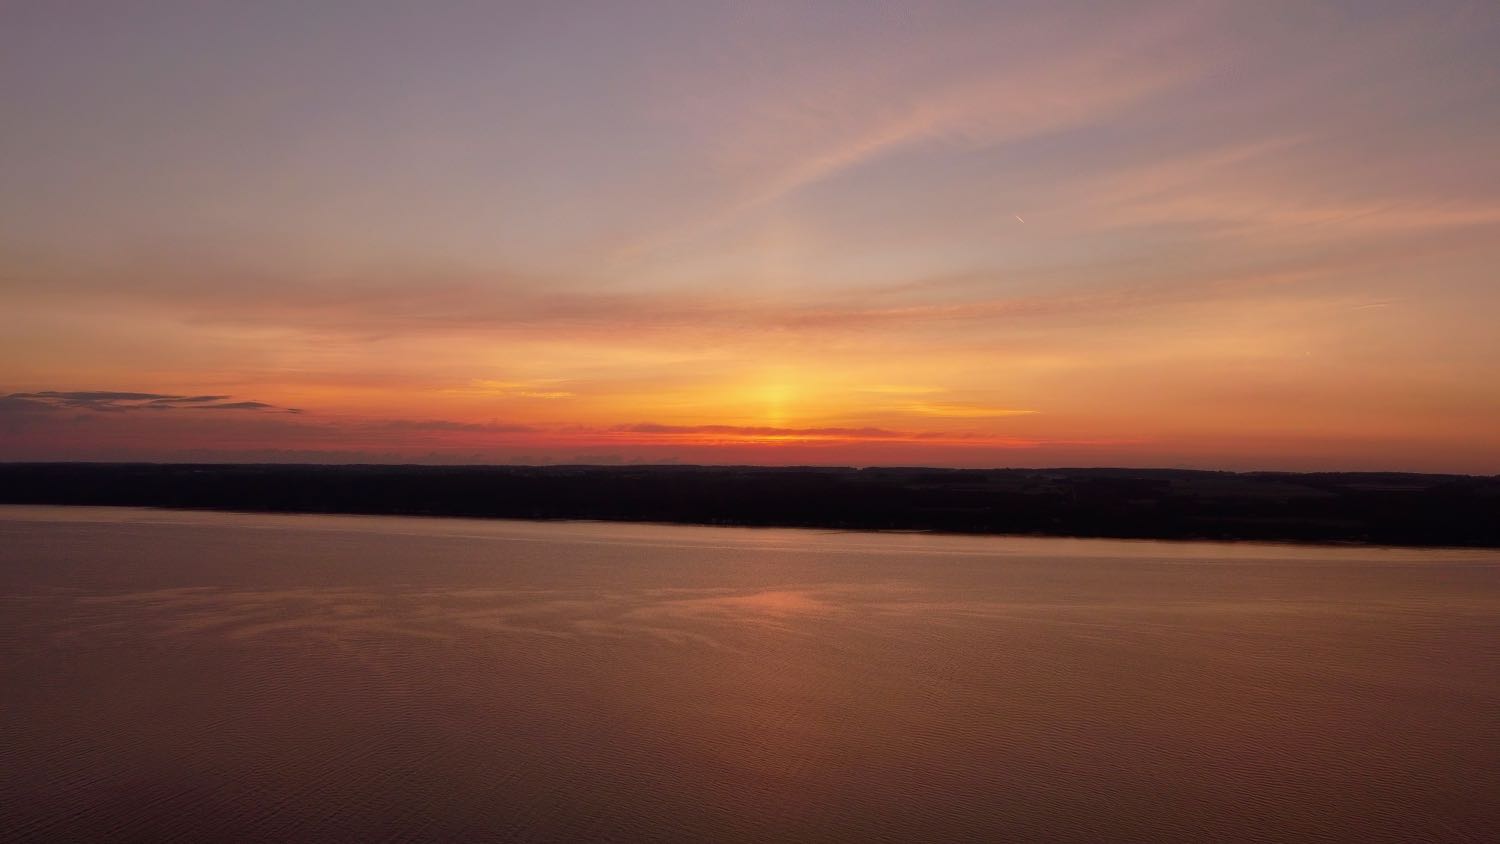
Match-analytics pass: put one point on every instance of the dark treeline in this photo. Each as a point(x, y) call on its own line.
point(1386, 508)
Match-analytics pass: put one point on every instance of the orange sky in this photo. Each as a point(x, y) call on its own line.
point(1217, 235)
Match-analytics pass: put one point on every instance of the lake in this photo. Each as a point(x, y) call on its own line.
point(226, 676)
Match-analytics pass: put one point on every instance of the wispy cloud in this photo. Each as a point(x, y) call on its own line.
point(959, 410)
point(108, 401)
point(422, 306)
point(838, 434)
point(447, 425)
point(757, 431)
point(535, 388)
point(784, 143)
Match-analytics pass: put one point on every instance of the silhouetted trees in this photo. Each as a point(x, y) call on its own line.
point(1386, 508)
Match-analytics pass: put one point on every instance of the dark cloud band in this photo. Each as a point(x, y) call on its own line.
point(110, 401)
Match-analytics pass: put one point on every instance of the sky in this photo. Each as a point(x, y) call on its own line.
point(1222, 235)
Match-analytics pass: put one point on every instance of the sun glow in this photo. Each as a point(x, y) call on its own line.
point(777, 397)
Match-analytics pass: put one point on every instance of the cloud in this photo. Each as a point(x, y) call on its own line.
point(19, 403)
point(958, 410)
point(109, 401)
point(93, 396)
point(835, 434)
point(756, 431)
point(450, 425)
point(241, 405)
point(191, 399)
point(901, 389)
point(986, 84)
point(365, 310)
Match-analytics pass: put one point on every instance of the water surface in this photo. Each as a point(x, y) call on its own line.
point(267, 677)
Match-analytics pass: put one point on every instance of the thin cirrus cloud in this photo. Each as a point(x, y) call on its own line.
point(105, 401)
point(710, 434)
point(965, 88)
point(457, 306)
point(987, 112)
point(760, 431)
point(447, 426)
point(963, 411)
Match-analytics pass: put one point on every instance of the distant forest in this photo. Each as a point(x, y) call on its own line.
point(1381, 508)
